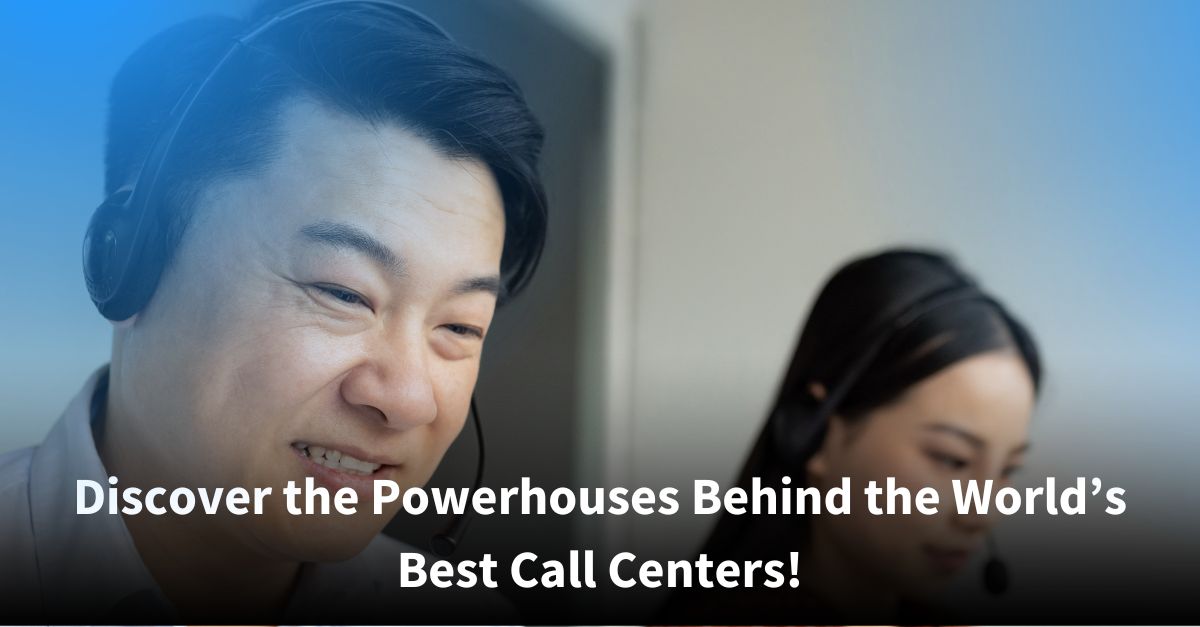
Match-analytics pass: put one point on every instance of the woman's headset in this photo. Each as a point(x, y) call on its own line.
point(795, 437)
point(125, 252)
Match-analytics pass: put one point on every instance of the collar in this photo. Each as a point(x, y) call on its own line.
point(89, 568)
point(88, 565)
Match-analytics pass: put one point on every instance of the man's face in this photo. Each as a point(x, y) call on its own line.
point(332, 305)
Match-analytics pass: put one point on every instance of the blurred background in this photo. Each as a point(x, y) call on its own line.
point(709, 164)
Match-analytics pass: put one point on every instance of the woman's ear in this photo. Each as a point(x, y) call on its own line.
point(817, 466)
point(817, 390)
point(821, 463)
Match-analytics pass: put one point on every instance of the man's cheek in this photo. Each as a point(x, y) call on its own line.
point(390, 505)
point(455, 384)
point(432, 449)
point(292, 362)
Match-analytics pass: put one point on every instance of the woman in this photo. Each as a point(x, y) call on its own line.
point(905, 369)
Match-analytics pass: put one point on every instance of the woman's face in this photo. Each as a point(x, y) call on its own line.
point(968, 421)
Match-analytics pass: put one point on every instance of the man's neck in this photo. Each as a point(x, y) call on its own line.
point(200, 566)
point(200, 575)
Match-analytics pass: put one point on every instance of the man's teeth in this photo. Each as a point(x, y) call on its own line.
point(337, 460)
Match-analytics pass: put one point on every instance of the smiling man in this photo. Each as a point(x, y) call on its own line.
point(343, 204)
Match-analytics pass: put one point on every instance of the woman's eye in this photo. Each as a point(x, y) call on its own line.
point(464, 330)
point(1010, 471)
point(949, 461)
point(342, 294)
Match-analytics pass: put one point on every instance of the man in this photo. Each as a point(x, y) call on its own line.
point(343, 204)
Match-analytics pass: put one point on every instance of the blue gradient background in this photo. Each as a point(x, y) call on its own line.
point(56, 62)
point(1080, 119)
point(1087, 113)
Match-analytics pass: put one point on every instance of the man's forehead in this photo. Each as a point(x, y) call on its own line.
point(335, 159)
point(313, 135)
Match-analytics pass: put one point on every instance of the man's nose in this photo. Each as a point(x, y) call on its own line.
point(395, 381)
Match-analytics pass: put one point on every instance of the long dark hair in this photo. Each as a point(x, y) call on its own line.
point(852, 318)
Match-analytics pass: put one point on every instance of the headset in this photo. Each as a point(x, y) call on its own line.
point(123, 260)
point(793, 439)
point(445, 541)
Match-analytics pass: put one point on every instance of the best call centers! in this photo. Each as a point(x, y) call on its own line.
point(625, 570)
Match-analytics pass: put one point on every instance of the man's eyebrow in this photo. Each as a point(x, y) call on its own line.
point(488, 284)
point(346, 236)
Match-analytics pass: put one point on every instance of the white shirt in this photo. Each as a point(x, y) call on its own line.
point(59, 567)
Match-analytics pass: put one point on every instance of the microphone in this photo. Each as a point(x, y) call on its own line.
point(445, 541)
point(995, 571)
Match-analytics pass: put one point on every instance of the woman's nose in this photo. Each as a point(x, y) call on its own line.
point(974, 523)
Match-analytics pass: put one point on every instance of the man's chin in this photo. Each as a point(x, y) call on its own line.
point(326, 553)
point(321, 552)
point(322, 539)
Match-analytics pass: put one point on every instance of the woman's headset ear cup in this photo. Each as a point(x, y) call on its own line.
point(782, 434)
point(794, 433)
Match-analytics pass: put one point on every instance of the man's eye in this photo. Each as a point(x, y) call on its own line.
point(342, 294)
point(948, 461)
point(464, 330)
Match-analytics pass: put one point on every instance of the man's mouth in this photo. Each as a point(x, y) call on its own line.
point(337, 460)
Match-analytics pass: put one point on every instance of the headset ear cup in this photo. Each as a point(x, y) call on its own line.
point(793, 434)
point(781, 434)
point(105, 249)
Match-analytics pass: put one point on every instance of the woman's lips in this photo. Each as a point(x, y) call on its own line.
point(947, 560)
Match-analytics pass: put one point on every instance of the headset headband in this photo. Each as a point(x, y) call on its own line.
point(794, 437)
point(118, 246)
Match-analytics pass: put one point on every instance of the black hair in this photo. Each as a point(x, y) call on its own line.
point(862, 297)
point(380, 65)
